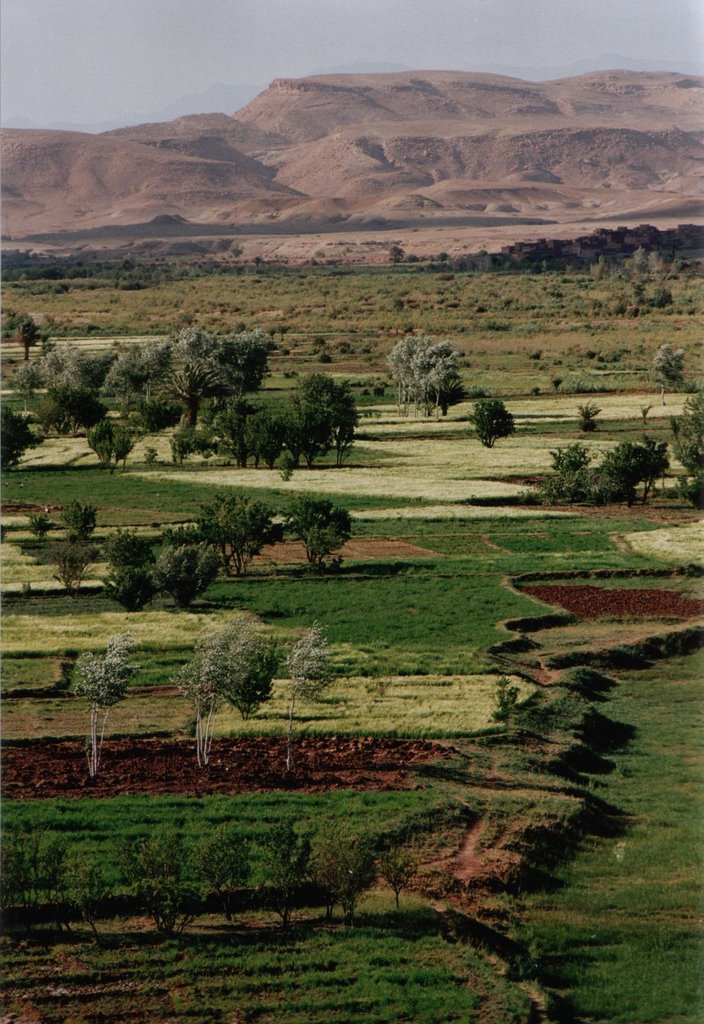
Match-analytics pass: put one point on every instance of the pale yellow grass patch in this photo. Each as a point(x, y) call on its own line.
point(680, 544)
point(441, 470)
point(545, 408)
point(61, 451)
point(457, 512)
point(402, 482)
point(51, 634)
point(463, 458)
point(389, 705)
point(19, 568)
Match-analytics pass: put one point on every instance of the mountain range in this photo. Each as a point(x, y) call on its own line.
point(369, 150)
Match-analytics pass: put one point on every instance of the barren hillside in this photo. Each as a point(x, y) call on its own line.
point(413, 148)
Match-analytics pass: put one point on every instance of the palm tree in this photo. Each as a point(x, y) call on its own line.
point(191, 384)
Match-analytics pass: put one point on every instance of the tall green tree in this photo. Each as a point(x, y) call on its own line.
point(17, 437)
point(322, 526)
point(238, 527)
point(491, 420)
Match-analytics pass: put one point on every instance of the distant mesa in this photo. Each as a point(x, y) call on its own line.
point(400, 149)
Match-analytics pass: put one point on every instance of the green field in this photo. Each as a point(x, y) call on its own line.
point(558, 866)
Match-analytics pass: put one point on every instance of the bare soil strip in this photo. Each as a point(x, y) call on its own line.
point(58, 769)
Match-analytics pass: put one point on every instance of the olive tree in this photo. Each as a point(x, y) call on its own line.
point(309, 676)
point(102, 681)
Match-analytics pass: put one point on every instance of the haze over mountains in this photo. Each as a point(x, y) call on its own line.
point(379, 149)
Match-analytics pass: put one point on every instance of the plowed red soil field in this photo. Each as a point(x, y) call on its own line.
point(59, 769)
point(596, 602)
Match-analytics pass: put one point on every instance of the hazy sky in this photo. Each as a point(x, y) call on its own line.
point(99, 60)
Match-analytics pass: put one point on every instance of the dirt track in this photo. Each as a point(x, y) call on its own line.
point(58, 769)
point(597, 602)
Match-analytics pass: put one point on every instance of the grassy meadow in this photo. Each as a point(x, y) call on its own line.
point(525, 906)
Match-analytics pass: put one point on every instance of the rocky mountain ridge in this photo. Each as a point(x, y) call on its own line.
point(370, 149)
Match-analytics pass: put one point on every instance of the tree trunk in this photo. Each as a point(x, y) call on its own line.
point(192, 408)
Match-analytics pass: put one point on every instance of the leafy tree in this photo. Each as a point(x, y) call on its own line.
point(342, 863)
point(668, 369)
point(130, 581)
point(185, 571)
point(202, 680)
point(688, 433)
point(222, 860)
point(72, 560)
point(398, 866)
point(34, 871)
point(26, 380)
point(239, 527)
point(233, 432)
point(88, 889)
point(17, 437)
point(67, 410)
point(131, 586)
point(71, 368)
point(187, 441)
point(156, 867)
point(284, 859)
point(571, 479)
point(587, 417)
point(243, 357)
point(309, 676)
point(102, 681)
point(344, 418)
point(211, 367)
point(308, 421)
point(631, 463)
point(154, 415)
point(322, 526)
point(126, 547)
point(111, 443)
point(492, 420)
point(138, 370)
point(266, 437)
point(79, 518)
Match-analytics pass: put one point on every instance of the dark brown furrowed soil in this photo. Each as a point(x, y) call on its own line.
point(58, 769)
point(595, 602)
